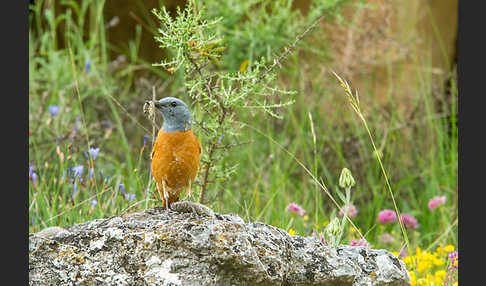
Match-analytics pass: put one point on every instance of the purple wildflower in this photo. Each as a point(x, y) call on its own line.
point(452, 255)
point(76, 124)
point(130, 197)
point(91, 170)
point(323, 240)
point(220, 138)
point(122, 188)
point(94, 152)
point(145, 138)
point(78, 170)
point(292, 207)
point(386, 216)
point(33, 220)
point(75, 188)
point(34, 178)
point(452, 269)
point(94, 202)
point(87, 65)
point(75, 129)
point(106, 123)
point(53, 109)
point(409, 221)
point(31, 170)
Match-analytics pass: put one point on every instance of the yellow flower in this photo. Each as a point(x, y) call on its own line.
point(396, 253)
point(449, 248)
point(439, 261)
point(291, 231)
point(440, 249)
point(306, 218)
point(422, 266)
point(413, 280)
point(439, 276)
point(430, 278)
point(430, 267)
point(418, 251)
point(421, 281)
point(406, 259)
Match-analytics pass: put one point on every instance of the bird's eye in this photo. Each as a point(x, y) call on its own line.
point(173, 104)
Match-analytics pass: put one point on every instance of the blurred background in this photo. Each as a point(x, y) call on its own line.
point(90, 71)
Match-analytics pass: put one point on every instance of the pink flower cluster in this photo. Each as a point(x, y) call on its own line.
point(295, 208)
point(452, 269)
point(386, 216)
point(352, 211)
point(360, 242)
point(436, 201)
point(386, 238)
point(409, 221)
point(323, 240)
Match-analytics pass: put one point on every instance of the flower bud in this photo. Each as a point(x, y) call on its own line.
point(346, 180)
point(333, 228)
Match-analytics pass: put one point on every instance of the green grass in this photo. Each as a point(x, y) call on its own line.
point(420, 156)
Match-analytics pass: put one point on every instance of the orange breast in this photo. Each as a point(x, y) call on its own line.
point(175, 159)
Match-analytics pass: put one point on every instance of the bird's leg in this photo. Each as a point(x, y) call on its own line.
point(188, 192)
point(166, 194)
point(159, 190)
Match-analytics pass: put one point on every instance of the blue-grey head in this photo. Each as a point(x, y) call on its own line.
point(176, 114)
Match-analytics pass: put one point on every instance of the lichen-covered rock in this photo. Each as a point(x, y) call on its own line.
point(169, 247)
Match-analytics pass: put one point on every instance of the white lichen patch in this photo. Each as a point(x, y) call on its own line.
point(120, 279)
point(114, 233)
point(159, 273)
point(153, 260)
point(97, 244)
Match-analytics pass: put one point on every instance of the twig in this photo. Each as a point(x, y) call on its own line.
point(288, 50)
point(154, 125)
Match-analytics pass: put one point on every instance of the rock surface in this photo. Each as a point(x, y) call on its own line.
point(181, 247)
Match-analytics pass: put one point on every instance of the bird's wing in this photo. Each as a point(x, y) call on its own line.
point(199, 147)
point(153, 150)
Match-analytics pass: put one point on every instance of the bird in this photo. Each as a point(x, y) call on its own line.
point(176, 151)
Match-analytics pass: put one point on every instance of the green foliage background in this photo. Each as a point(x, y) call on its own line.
point(74, 70)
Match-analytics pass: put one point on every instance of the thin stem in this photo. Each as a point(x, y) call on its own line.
point(354, 101)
